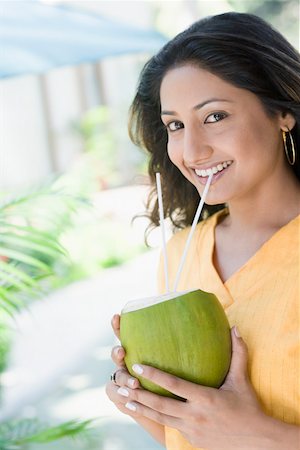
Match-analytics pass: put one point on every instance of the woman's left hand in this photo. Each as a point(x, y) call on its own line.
point(229, 417)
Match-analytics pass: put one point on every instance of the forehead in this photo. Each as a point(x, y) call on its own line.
point(192, 84)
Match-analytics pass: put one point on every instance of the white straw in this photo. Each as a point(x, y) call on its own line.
point(162, 227)
point(195, 221)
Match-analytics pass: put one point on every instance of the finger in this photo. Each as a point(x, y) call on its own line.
point(112, 393)
point(118, 355)
point(238, 375)
point(176, 385)
point(164, 405)
point(123, 378)
point(239, 359)
point(119, 394)
point(115, 323)
point(127, 411)
point(115, 398)
point(137, 410)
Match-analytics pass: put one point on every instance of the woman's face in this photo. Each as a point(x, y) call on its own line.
point(212, 124)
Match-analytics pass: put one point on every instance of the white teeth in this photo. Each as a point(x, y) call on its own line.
point(214, 169)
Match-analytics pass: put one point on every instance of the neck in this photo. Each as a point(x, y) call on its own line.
point(267, 208)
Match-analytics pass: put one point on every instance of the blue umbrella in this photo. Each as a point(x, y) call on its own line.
point(35, 37)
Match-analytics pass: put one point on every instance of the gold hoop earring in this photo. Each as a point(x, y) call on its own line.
point(290, 159)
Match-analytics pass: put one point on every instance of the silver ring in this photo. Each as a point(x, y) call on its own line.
point(113, 377)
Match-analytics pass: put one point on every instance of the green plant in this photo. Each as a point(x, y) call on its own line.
point(31, 230)
point(14, 435)
point(25, 254)
point(109, 159)
point(28, 254)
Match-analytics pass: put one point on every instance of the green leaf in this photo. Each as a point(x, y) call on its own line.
point(19, 256)
point(14, 434)
point(9, 299)
point(10, 268)
point(11, 281)
point(30, 244)
point(38, 236)
point(68, 429)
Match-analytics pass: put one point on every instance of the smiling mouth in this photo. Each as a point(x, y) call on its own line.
point(204, 173)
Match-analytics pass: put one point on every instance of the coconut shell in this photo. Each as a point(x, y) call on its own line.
point(185, 334)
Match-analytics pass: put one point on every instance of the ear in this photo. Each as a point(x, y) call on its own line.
point(286, 121)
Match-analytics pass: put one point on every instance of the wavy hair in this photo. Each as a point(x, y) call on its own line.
point(243, 50)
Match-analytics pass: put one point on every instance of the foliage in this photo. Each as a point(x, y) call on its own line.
point(29, 244)
point(5, 339)
point(28, 255)
point(15, 434)
point(109, 160)
point(49, 238)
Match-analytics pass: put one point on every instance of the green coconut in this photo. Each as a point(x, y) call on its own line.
point(185, 334)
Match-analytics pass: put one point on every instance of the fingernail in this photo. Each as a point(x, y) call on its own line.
point(131, 382)
point(137, 369)
point(123, 391)
point(237, 332)
point(130, 406)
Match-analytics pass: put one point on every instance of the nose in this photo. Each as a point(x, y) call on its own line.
point(196, 149)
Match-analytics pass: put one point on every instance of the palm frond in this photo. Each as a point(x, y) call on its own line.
point(11, 276)
point(14, 434)
point(28, 253)
point(38, 237)
point(10, 202)
point(8, 301)
point(22, 257)
point(27, 244)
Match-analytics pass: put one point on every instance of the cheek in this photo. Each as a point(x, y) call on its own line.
point(174, 153)
point(259, 133)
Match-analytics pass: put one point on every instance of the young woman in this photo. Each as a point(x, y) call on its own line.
point(224, 95)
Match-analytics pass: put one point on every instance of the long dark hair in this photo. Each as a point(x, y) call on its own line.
point(239, 48)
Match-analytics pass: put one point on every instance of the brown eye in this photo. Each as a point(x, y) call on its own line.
point(215, 117)
point(174, 126)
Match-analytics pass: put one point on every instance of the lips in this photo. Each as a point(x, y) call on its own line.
point(204, 173)
point(218, 172)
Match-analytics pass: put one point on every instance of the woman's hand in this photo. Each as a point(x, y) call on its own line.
point(116, 390)
point(123, 378)
point(230, 418)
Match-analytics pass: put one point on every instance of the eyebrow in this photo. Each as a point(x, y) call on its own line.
point(199, 106)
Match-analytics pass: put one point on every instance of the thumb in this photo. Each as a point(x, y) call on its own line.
point(237, 376)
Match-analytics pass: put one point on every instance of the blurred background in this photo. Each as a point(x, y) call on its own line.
point(70, 184)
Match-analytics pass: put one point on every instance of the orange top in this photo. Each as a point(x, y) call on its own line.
point(262, 299)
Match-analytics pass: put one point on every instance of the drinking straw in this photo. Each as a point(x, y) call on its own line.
point(195, 221)
point(162, 227)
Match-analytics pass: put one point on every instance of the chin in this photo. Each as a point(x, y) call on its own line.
point(212, 199)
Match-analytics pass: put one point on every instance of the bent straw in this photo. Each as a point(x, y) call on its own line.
point(162, 227)
point(195, 221)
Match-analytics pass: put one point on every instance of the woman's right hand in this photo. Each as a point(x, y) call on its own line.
point(123, 380)
point(122, 376)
